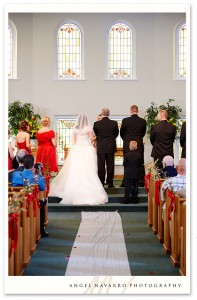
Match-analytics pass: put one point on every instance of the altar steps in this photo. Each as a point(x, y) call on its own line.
point(115, 195)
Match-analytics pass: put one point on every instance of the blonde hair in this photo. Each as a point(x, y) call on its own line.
point(45, 121)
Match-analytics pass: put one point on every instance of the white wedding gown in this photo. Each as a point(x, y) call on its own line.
point(78, 181)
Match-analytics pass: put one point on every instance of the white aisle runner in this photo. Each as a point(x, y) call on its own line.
point(99, 248)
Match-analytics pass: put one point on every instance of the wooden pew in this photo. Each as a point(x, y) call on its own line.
point(167, 239)
point(25, 224)
point(32, 228)
point(150, 201)
point(30, 222)
point(156, 203)
point(182, 269)
point(46, 220)
point(16, 189)
point(34, 217)
point(10, 258)
point(15, 250)
point(160, 233)
point(176, 230)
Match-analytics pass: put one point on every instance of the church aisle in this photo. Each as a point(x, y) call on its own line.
point(99, 248)
point(145, 253)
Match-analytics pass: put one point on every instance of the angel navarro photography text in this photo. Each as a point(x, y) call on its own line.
point(125, 285)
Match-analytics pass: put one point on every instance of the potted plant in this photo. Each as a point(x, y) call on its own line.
point(18, 112)
point(173, 115)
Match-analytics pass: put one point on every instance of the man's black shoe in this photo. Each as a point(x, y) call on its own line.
point(125, 201)
point(44, 234)
point(110, 186)
point(122, 201)
point(122, 185)
point(134, 201)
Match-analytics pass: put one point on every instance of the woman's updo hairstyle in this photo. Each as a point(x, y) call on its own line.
point(23, 125)
point(45, 121)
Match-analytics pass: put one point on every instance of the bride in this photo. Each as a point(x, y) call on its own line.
point(78, 181)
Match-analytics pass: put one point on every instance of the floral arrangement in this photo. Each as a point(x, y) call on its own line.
point(34, 126)
point(173, 115)
point(155, 171)
point(14, 204)
point(18, 112)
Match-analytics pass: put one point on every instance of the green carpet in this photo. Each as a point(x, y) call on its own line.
point(145, 253)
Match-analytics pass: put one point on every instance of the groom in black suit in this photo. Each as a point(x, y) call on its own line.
point(106, 132)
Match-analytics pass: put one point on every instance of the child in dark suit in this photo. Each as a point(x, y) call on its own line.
point(132, 164)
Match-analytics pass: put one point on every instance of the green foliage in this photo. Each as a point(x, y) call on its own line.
point(173, 115)
point(18, 112)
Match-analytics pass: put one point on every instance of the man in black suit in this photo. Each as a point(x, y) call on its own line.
point(162, 137)
point(132, 164)
point(134, 128)
point(183, 140)
point(106, 132)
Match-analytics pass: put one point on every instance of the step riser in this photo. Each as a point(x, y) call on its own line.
point(113, 199)
point(121, 190)
point(126, 208)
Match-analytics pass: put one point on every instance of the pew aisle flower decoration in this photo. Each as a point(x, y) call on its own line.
point(154, 170)
point(170, 192)
point(156, 173)
point(31, 192)
point(14, 210)
point(14, 204)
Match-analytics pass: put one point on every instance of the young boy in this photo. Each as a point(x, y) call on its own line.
point(132, 163)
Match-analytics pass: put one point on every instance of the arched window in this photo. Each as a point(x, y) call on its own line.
point(12, 50)
point(69, 52)
point(120, 51)
point(181, 38)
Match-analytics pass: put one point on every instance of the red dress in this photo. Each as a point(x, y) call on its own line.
point(46, 153)
point(22, 145)
point(10, 167)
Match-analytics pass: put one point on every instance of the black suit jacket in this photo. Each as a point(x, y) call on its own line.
point(183, 140)
point(132, 163)
point(133, 128)
point(162, 137)
point(106, 131)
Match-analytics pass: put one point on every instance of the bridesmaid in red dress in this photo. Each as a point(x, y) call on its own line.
point(46, 153)
point(23, 137)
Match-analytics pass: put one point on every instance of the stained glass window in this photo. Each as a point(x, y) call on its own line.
point(12, 50)
point(64, 135)
point(119, 141)
point(9, 52)
point(182, 52)
point(120, 52)
point(69, 52)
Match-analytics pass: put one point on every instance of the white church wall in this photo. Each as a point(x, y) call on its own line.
point(36, 82)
